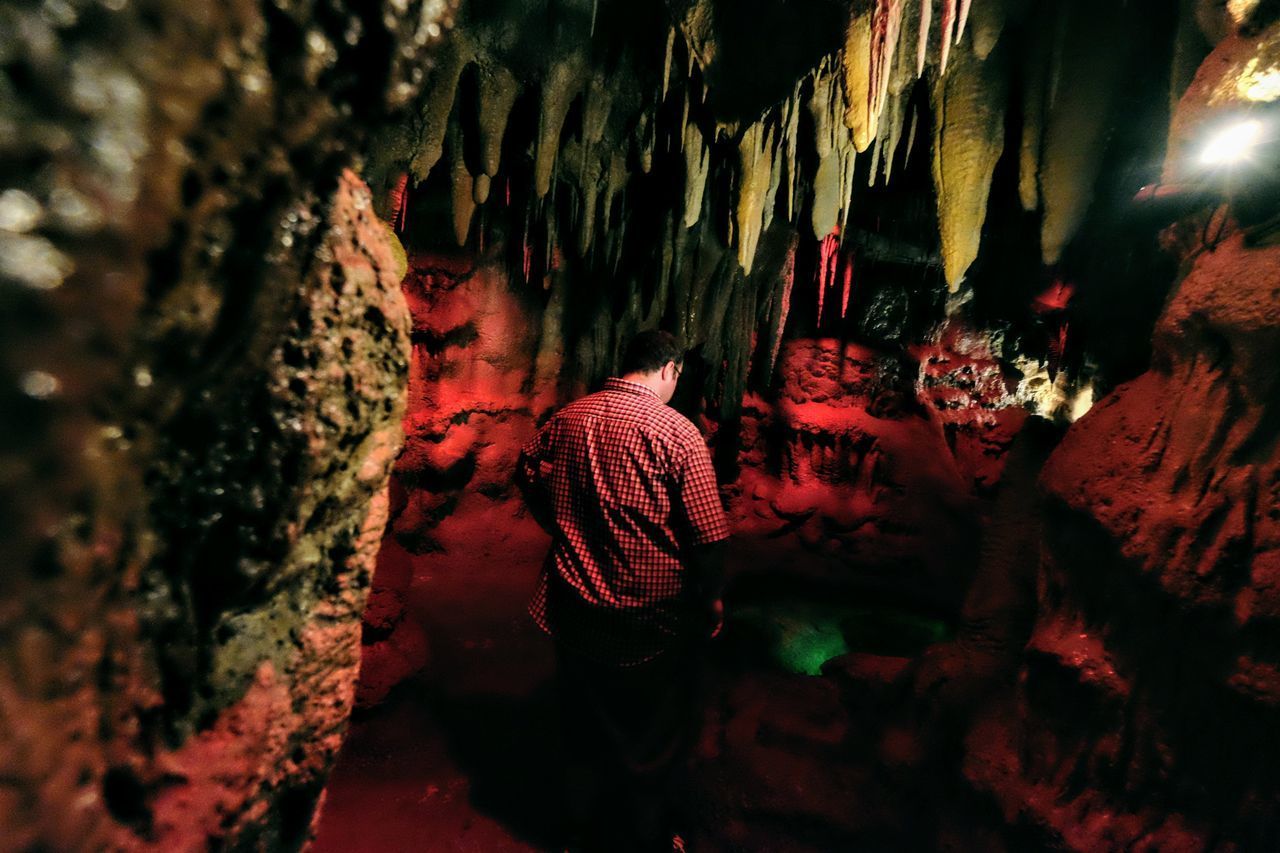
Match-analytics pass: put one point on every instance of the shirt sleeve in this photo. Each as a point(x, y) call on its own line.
point(533, 475)
point(696, 500)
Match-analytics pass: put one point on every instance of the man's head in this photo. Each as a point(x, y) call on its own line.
point(654, 359)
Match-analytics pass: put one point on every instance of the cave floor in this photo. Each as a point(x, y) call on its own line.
point(463, 757)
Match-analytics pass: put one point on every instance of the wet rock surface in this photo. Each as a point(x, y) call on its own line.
point(203, 355)
point(1146, 689)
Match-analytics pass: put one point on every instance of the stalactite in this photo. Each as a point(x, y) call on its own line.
point(886, 25)
point(987, 21)
point(755, 161)
point(911, 135)
point(480, 188)
point(775, 180)
point(896, 121)
point(962, 19)
point(1034, 105)
point(645, 140)
point(670, 228)
point(922, 40)
point(1093, 63)
point(833, 182)
point(858, 66)
point(454, 58)
point(697, 164)
point(877, 151)
point(947, 25)
point(847, 288)
point(848, 170)
point(496, 95)
point(968, 132)
point(828, 258)
point(464, 203)
point(782, 302)
point(398, 203)
point(666, 63)
point(562, 83)
point(615, 182)
point(790, 141)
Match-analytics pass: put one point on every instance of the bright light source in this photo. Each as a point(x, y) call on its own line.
point(1232, 144)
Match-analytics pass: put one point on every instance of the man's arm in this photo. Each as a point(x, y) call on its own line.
point(704, 530)
point(706, 583)
point(533, 475)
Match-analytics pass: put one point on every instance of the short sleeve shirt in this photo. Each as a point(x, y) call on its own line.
point(625, 485)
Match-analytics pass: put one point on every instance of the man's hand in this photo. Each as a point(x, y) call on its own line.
point(706, 581)
point(715, 618)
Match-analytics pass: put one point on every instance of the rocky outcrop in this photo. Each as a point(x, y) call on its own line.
point(847, 467)
point(1148, 689)
point(203, 360)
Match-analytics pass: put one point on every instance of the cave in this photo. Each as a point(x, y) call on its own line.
point(981, 308)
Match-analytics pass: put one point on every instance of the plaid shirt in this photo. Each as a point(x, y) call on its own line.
point(624, 485)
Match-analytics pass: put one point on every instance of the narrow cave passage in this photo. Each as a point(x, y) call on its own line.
point(899, 286)
point(976, 311)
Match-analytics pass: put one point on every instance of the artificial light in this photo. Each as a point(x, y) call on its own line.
point(1232, 144)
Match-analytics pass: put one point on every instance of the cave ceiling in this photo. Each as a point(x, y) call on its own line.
point(825, 134)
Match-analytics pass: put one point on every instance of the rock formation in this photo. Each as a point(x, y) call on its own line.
point(203, 353)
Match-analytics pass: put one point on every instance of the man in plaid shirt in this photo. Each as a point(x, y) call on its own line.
point(630, 589)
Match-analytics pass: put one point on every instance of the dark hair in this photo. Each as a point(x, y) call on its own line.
point(649, 351)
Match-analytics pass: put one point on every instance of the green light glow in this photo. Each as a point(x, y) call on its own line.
point(801, 636)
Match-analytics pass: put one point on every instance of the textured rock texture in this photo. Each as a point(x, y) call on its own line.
point(455, 511)
point(203, 359)
point(864, 469)
point(1148, 691)
point(847, 468)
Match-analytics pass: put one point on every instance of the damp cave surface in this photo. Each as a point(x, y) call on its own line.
point(980, 301)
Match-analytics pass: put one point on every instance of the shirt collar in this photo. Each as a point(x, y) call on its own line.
point(616, 384)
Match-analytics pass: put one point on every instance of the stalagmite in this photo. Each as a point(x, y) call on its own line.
point(968, 107)
point(755, 161)
point(560, 86)
point(435, 114)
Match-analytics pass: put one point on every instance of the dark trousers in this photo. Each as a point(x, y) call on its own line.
point(627, 734)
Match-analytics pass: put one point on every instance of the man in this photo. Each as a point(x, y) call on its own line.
point(630, 589)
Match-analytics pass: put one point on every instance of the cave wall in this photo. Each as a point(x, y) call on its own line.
point(861, 470)
point(1142, 710)
point(203, 350)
